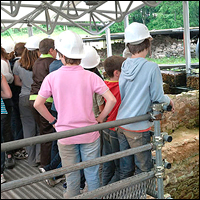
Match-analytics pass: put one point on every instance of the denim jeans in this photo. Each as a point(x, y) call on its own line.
point(72, 154)
point(126, 163)
point(143, 160)
point(55, 158)
point(110, 171)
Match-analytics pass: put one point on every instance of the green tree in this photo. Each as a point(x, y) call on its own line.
point(168, 14)
point(194, 13)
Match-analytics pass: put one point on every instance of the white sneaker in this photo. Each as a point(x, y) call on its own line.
point(41, 170)
point(3, 180)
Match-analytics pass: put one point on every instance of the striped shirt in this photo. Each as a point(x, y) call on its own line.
point(3, 108)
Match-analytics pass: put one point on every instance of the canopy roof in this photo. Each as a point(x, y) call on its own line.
point(98, 15)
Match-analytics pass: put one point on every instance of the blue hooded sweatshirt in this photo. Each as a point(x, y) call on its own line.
point(140, 85)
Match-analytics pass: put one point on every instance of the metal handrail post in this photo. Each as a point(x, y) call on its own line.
point(157, 139)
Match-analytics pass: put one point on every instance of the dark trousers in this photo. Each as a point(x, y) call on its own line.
point(3, 117)
point(44, 128)
point(7, 131)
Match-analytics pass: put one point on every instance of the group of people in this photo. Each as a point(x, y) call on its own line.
point(62, 89)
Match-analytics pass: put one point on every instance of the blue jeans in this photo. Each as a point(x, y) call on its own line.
point(126, 163)
point(55, 158)
point(72, 154)
point(110, 171)
point(143, 160)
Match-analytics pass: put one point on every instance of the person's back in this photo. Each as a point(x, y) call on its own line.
point(79, 83)
point(40, 71)
point(140, 85)
point(23, 77)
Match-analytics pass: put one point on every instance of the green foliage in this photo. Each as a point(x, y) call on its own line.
point(168, 14)
point(194, 13)
point(172, 60)
point(117, 27)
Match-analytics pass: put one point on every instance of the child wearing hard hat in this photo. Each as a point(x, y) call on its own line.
point(72, 88)
point(140, 84)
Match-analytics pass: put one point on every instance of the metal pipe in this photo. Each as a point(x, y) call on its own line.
point(159, 163)
point(187, 36)
point(113, 187)
point(78, 166)
point(108, 42)
point(64, 134)
point(30, 30)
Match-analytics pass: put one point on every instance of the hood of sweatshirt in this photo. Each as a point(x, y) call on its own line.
point(131, 67)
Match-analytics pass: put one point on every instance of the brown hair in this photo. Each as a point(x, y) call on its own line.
point(70, 60)
point(139, 47)
point(4, 54)
point(113, 63)
point(19, 48)
point(45, 45)
point(28, 59)
point(7, 56)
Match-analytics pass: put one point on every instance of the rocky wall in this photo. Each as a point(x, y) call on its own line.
point(161, 46)
point(186, 112)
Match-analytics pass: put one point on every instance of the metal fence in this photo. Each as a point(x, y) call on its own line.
point(135, 187)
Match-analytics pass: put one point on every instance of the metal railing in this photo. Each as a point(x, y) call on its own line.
point(134, 187)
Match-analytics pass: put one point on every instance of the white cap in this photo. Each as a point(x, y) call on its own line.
point(70, 44)
point(91, 59)
point(8, 46)
point(126, 53)
point(33, 43)
point(136, 33)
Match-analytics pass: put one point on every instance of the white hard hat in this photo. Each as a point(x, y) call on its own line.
point(32, 43)
point(70, 44)
point(91, 59)
point(126, 53)
point(8, 46)
point(136, 33)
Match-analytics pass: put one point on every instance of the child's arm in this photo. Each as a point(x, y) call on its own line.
point(5, 88)
point(110, 103)
point(17, 80)
point(39, 105)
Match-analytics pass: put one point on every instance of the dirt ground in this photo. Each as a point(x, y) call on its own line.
point(182, 180)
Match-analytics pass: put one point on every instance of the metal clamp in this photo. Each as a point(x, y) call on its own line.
point(159, 172)
point(161, 107)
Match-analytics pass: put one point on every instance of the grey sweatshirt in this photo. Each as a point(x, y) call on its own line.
point(140, 85)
